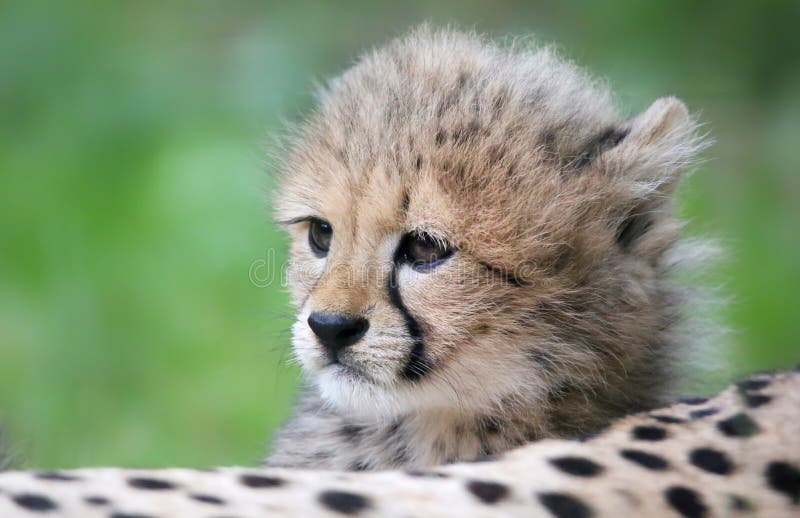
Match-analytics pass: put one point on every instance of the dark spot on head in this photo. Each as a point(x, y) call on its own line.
point(261, 481)
point(784, 478)
point(153, 484)
point(740, 503)
point(739, 425)
point(693, 400)
point(96, 500)
point(648, 460)
point(207, 499)
point(753, 384)
point(351, 432)
point(686, 502)
point(607, 139)
point(440, 136)
point(344, 502)
point(57, 476)
point(667, 419)
point(489, 424)
point(418, 163)
point(756, 400)
point(32, 502)
point(487, 492)
point(563, 505)
point(711, 460)
point(649, 433)
point(578, 466)
point(703, 412)
point(358, 466)
point(633, 226)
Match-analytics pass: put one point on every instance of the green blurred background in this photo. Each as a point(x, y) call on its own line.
point(132, 196)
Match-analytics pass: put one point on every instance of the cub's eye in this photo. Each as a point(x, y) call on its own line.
point(424, 252)
point(319, 237)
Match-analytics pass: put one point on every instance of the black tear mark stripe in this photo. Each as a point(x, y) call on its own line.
point(504, 275)
point(416, 365)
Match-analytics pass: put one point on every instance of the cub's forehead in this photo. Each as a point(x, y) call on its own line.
point(440, 119)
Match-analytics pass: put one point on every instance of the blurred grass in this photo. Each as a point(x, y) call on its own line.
point(132, 196)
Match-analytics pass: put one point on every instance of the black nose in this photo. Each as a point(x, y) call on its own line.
point(336, 331)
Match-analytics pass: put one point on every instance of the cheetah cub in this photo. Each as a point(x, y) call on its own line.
point(482, 255)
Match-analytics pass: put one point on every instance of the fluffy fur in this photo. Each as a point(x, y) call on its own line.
point(556, 313)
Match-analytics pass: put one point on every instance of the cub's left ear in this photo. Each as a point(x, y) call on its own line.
point(660, 143)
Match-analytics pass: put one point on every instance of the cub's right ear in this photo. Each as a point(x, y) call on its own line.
point(661, 142)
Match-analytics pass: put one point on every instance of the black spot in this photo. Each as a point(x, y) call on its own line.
point(668, 419)
point(756, 400)
point(564, 506)
point(686, 501)
point(649, 433)
point(57, 476)
point(578, 466)
point(648, 460)
point(440, 136)
point(694, 400)
point(418, 163)
point(33, 502)
point(740, 503)
point(96, 500)
point(261, 481)
point(739, 425)
point(753, 384)
point(487, 492)
point(344, 502)
point(711, 460)
point(153, 484)
point(784, 478)
point(703, 412)
point(207, 499)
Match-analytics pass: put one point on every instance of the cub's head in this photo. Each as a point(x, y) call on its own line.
point(474, 226)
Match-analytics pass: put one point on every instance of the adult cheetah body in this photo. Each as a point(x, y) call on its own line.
point(735, 454)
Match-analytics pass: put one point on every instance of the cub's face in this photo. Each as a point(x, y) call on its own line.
point(453, 248)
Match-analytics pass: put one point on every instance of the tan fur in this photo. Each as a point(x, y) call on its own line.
point(555, 314)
